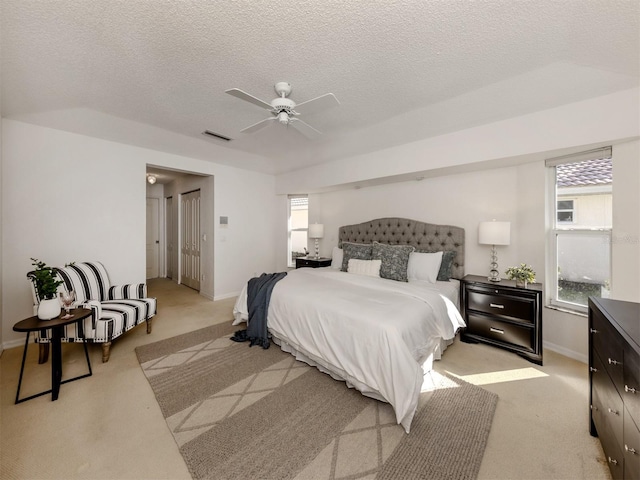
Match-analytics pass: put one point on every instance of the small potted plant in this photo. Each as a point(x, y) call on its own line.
point(522, 274)
point(46, 283)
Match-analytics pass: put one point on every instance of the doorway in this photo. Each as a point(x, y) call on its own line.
point(153, 237)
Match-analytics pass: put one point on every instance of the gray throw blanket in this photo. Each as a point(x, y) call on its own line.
point(258, 296)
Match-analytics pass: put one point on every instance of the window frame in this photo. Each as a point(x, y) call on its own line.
point(290, 261)
point(569, 229)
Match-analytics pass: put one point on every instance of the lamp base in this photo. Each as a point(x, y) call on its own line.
point(317, 249)
point(494, 274)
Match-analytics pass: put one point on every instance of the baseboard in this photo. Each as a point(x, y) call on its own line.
point(206, 295)
point(566, 352)
point(19, 342)
point(226, 295)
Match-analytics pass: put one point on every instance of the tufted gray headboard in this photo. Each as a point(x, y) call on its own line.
point(401, 231)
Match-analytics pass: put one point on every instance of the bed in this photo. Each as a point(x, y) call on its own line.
point(379, 335)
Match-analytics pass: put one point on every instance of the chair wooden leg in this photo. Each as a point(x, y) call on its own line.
point(148, 325)
point(106, 351)
point(43, 354)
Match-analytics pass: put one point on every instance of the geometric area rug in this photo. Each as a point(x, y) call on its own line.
point(237, 412)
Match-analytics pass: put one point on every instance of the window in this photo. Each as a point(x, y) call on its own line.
point(564, 211)
point(580, 237)
point(298, 227)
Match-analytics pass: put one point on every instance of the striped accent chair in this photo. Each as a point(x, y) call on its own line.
point(115, 308)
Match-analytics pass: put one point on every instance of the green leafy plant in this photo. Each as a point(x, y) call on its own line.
point(523, 273)
point(45, 278)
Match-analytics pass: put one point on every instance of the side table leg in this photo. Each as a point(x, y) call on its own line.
point(56, 362)
point(24, 356)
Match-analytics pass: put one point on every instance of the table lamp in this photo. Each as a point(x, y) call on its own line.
point(494, 233)
point(316, 231)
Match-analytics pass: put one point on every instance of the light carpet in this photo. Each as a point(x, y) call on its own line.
point(247, 413)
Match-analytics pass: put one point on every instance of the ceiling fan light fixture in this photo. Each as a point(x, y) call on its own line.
point(283, 118)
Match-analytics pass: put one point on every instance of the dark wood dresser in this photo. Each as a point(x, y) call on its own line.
point(614, 380)
point(503, 315)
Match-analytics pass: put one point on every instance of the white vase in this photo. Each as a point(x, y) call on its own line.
point(48, 309)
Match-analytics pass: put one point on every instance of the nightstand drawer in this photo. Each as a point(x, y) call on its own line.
point(503, 305)
point(503, 332)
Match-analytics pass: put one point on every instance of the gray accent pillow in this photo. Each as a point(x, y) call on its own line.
point(446, 267)
point(359, 251)
point(395, 259)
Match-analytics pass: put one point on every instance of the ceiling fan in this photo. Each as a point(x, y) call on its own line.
point(285, 111)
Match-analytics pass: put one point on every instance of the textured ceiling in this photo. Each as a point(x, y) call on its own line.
point(402, 70)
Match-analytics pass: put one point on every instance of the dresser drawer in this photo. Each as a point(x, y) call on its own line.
point(612, 450)
point(607, 343)
point(608, 405)
point(631, 389)
point(631, 448)
point(502, 304)
point(503, 332)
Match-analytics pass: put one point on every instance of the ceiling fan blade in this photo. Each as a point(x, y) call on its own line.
point(248, 98)
point(304, 128)
point(322, 102)
point(257, 126)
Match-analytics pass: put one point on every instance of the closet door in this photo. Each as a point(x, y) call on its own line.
point(153, 237)
point(171, 234)
point(190, 244)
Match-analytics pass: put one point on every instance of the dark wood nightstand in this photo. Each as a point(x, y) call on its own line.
point(313, 262)
point(503, 315)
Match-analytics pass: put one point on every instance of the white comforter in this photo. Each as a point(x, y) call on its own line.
point(373, 333)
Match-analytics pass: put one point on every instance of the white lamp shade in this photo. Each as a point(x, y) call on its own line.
point(494, 233)
point(316, 230)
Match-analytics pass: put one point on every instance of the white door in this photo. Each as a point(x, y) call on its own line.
point(171, 234)
point(153, 237)
point(190, 242)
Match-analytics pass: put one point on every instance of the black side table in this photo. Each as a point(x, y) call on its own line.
point(33, 324)
point(503, 315)
point(313, 262)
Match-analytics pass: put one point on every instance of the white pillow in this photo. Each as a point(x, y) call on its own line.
point(370, 268)
point(336, 258)
point(424, 266)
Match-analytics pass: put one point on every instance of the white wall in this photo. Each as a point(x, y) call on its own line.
point(68, 197)
point(625, 282)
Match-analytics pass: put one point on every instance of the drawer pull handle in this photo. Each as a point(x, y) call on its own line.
point(594, 370)
point(496, 330)
point(630, 450)
point(496, 305)
point(614, 362)
point(629, 389)
point(615, 412)
point(593, 330)
point(613, 460)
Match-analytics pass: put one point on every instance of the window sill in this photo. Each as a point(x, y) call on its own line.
point(567, 310)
